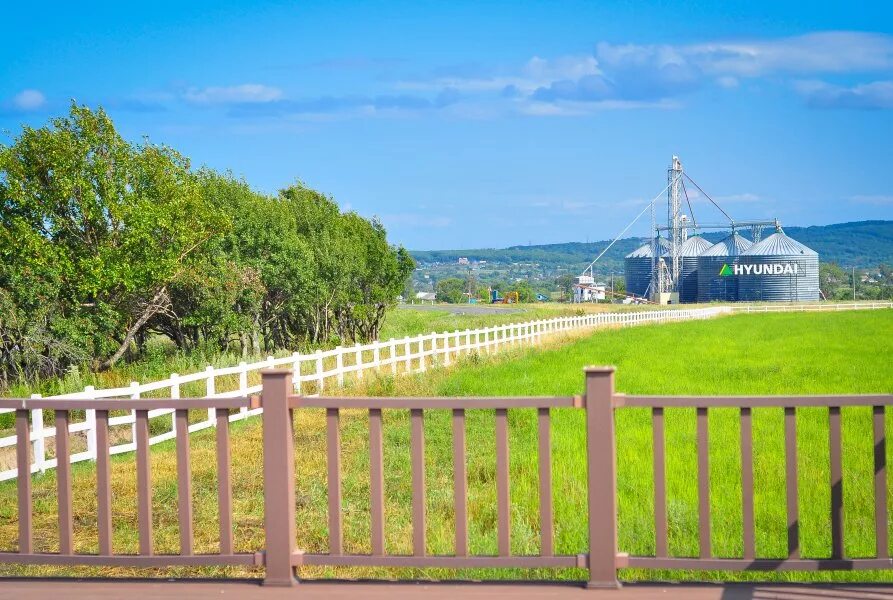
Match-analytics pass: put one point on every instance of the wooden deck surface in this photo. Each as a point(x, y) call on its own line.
point(25, 589)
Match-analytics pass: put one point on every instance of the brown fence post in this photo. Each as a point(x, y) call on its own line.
point(279, 478)
point(601, 479)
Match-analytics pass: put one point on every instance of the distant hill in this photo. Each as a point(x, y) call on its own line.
point(860, 244)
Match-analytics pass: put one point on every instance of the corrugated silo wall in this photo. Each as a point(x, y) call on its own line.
point(688, 279)
point(785, 287)
point(713, 287)
point(637, 272)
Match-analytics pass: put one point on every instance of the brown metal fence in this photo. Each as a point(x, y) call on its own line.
point(281, 554)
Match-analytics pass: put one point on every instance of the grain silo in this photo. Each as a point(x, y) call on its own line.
point(689, 252)
point(716, 279)
point(637, 268)
point(778, 269)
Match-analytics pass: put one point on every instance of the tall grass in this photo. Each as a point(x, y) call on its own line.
point(744, 354)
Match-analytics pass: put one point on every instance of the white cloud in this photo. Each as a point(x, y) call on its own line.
point(623, 76)
point(874, 95)
point(246, 93)
point(821, 52)
point(875, 199)
point(533, 74)
point(27, 100)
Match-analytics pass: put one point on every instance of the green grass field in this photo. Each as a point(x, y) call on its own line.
point(847, 352)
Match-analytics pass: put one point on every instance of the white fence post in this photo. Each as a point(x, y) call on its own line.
point(296, 369)
point(446, 348)
point(37, 436)
point(358, 361)
point(210, 390)
point(339, 364)
point(91, 424)
point(392, 355)
point(134, 393)
point(406, 355)
point(175, 393)
point(243, 387)
point(319, 372)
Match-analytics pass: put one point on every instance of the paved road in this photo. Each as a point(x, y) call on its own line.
point(200, 590)
point(463, 309)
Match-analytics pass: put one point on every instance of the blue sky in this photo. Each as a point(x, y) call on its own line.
point(470, 124)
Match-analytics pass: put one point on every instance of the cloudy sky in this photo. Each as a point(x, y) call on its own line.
point(470, 124)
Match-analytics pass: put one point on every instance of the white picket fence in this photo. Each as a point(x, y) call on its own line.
point(399, 356)
point(813, 307)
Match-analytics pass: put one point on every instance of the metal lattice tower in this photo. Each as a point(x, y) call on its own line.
point(674, 220)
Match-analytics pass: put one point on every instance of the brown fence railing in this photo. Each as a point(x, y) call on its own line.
point(599, 401)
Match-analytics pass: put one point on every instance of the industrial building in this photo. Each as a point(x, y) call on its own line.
point(677, 265)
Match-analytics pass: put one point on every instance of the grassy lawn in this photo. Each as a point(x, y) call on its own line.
point(792, 353)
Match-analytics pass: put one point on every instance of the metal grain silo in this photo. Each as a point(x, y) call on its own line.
point(778, 269)
point(689, 252)
point(637, 268)
point(716, 281)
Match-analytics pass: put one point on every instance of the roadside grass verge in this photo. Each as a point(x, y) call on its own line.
point(791, 353)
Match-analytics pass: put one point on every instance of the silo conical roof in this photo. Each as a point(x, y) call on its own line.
point(732, 245)
point(644, 251)
point(778, 244)
point(694, 246)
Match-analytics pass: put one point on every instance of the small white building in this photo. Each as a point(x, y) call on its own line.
point(587, 290)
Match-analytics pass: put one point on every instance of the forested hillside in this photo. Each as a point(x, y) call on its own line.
point(860, 244)
point(105, 243)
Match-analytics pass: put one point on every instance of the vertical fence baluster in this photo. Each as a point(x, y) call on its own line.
point(103, 483)
point(460, 482)
point(418, 481)
point(545, 482)
point(376, 481)
point(502, 482)
point(224, 482)
point(703, 483)
point(880, 483)
point(63, 482)
point(836, 483)
point(333, 463)
point(660, 482)
point(144, 482)
point(601, 478)
point(23, 480)
point(184, 482)
point(279, 478)
point(319, 372)
point(747, 482)
point(790, 461)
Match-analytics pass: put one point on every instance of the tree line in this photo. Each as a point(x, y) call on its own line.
point(106, 243)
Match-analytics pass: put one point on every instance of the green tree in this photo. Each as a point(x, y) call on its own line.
point(452, 290)
point(99, 229)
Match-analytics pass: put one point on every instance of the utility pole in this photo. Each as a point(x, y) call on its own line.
point(854, 284)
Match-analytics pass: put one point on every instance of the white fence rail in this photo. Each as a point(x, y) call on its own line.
point(311, 371)
point(832, 307)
